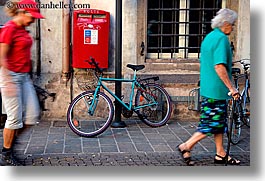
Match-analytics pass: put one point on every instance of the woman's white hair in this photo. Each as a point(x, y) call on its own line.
point(224, 15)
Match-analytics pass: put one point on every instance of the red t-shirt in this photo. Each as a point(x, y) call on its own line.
point(20, 42)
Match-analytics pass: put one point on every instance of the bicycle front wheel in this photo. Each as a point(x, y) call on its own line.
point(87, 122)
point(235, 122)
point(246, 107)
point(159, 110)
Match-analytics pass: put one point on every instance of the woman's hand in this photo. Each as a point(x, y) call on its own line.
point(8, 87)
point(234, 93)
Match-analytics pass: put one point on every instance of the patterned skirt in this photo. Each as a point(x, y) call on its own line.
point(213, 116)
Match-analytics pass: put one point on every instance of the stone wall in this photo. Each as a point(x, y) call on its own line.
point(185, 75)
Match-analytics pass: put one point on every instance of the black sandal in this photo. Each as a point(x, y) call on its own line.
point(231, 161)
point(187, 160)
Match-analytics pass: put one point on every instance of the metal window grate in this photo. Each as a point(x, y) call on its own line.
point(176, 28)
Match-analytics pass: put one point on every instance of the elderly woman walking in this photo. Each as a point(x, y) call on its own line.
point(215, 83)
point(18, 94)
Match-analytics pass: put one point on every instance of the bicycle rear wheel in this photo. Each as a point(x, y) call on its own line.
point(155, 115)
point(87, 124)
point(235, 122)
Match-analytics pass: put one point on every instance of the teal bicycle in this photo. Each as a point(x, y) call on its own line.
point(91, 112)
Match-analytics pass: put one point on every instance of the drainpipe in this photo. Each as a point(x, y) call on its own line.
point(66, 43)
point(38, 48)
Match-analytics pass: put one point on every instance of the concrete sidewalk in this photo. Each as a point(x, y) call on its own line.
point(52, 143)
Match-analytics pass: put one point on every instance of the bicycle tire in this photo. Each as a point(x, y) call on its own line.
point(157, 115)
point(235, 122)
point(84, 124)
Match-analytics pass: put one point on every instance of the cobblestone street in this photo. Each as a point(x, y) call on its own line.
point(52, 143)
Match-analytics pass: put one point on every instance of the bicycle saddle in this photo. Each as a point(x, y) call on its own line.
point(136, 67)
point(235, 70)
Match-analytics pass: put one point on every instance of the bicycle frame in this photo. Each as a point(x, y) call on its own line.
point(129, 107)
point(244, 93)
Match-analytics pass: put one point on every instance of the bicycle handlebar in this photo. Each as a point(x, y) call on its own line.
point(242, 62)
point(95, 64)
point(230, 94)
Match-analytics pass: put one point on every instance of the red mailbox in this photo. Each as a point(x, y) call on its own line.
point(90, 37)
